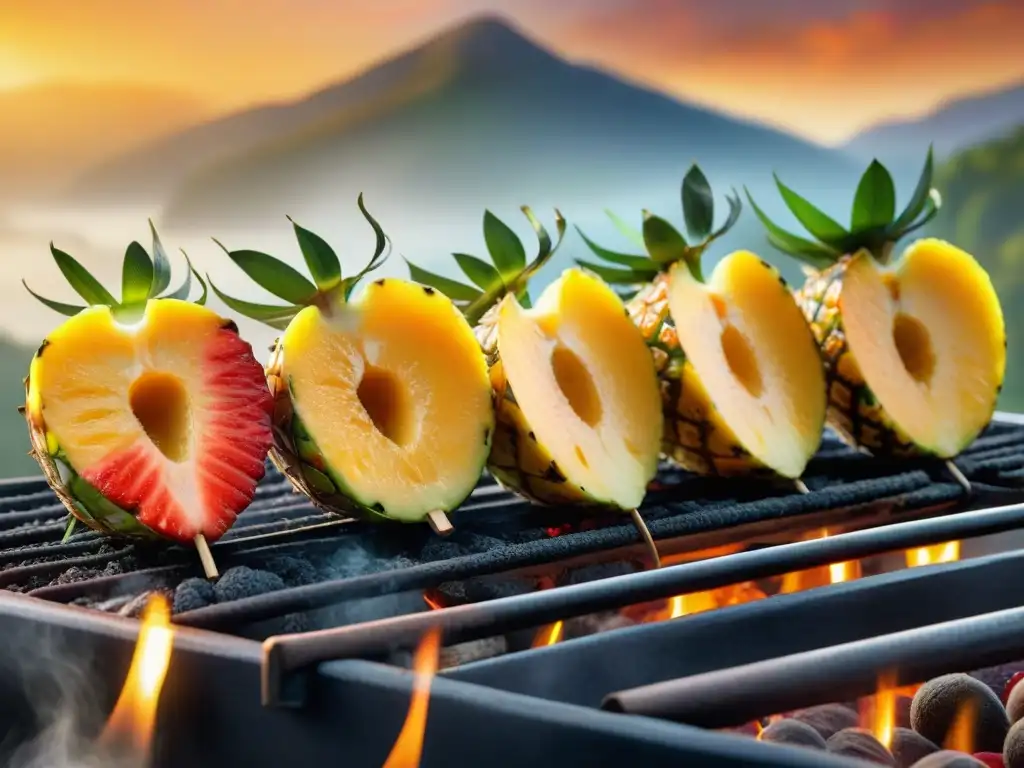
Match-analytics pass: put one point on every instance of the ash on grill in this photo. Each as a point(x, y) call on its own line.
point(288, 568)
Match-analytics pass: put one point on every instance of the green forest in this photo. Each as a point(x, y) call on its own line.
point(983, 212)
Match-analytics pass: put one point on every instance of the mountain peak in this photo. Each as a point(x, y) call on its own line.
point(487, 41)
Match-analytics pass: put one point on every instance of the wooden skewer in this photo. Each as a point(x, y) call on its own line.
point(800, 486)
point(206, 557)
point(645, 534)
point(440, 523)
point(959, 476)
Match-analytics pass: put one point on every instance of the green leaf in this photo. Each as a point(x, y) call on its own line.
point(480, 272)
point(85, 285)
point(931, 207)
point(817, 255)
point(453, 289)
point(698, 203)
point(321, 259)
point(161, 265)
point(69, 529)
point(918, 199)
point(379, 254)
point(545, 249)
point(639, 263)
point(201, 301)
point(273, 275)
point(136, 275)
point(183, 290)
point(663, 241)
point(735, 207)
point(69, 310)
point(874, 204)
point(275, 317)
point(382, 239)
point(506, 249)
point(819, 224)
point(611, 275)
point(630, 233)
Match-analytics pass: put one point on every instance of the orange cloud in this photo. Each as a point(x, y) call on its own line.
point(823, 78)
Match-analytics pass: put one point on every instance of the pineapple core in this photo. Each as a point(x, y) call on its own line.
point(751, 348)
point(398, 402)
point(160, 403)
point(928, 335)
point(583, 378)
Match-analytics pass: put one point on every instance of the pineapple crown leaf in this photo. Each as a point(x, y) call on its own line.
point(287, 283)
point(874, 225)
point(143, 277)
point(508, 271)
point(666, 245)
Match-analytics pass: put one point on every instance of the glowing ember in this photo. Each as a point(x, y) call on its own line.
point(409, 746)
point(549, 635)
point(432, 601)
point(134, 717)
point(937, 553)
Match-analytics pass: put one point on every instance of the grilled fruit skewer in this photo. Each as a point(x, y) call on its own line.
point(382, 407)
point(149, 416)
point(915, 350)
point(741, 379)
point(576, 399)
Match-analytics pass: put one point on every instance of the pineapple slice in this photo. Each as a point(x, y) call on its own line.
point(382, 402)
point(148, 416)
point(578, 413)
point(915, 350)
point(741, 378)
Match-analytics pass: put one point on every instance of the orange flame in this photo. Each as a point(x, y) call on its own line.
point(549, 635)
point(132, 722)
point(408, 746)
point(883, 710)
point(432, 602)
point(937, 553)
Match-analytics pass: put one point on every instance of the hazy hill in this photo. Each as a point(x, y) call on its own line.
point(50, 133)
point(982, 190)
point(14, 445)
point(483, 115)
point(954, 126)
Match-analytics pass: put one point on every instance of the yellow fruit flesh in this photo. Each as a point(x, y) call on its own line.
point(748, 342)
point(583, 378)
point(102, 388)
point(398, 401)
point(928, 335)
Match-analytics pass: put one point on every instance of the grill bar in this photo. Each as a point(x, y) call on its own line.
point(287, 654)
point(735, 696)
point(577, 672)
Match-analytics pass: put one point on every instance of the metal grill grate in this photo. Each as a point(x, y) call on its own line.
point(284, 557)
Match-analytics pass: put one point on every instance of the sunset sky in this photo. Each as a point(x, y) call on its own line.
point(822, 68)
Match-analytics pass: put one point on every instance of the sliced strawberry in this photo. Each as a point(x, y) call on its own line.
point(231, 435)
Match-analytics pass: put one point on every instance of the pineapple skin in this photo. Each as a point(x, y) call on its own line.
point(518, 460)
point(297, 456)
point(853, 412)
point(695, 435)
point(81, 499)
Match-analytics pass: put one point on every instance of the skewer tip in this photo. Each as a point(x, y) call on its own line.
point(645, 534)
point(206, 557)
point(440, 523)
point(800, 485)
point(959, 476)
